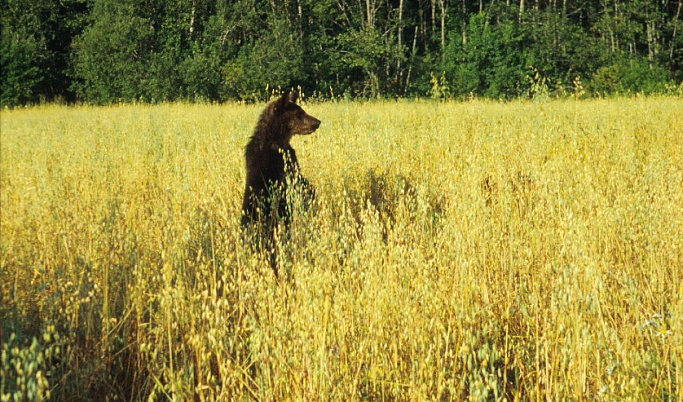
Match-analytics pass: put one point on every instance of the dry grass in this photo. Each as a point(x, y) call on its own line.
point(459, 251)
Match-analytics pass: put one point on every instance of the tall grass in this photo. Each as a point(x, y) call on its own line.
point(479, 251)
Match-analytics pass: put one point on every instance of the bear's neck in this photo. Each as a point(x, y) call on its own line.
point(268, 139)
point(273, 135)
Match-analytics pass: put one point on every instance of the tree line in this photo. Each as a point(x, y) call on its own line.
point(103, 51)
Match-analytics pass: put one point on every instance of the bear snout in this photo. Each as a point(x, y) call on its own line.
point(311, 124)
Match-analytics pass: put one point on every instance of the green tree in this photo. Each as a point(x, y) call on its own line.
point(20, 72)
point(35, 49)
point(110, 50)
point(275, 58)
point(493, 62)
point(112, 53)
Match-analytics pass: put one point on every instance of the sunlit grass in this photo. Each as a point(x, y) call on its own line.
point(458, 251)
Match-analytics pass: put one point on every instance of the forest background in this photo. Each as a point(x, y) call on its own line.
point(104, 51)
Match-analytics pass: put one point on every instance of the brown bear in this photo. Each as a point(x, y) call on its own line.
point(272, 167)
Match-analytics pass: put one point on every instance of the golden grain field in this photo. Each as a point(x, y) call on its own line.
point(458, 251)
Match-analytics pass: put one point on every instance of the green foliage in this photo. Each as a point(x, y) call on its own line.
point(491, 61)
point(35, 49)
point(364, 52)
point(629, 76)
point(538, 85)
point(22, 49)
point(103, 51)
point(560, 51)
point(20, 73)
point(201, 74)
point(275, 59)
point(164, 78)
point(112, 54)
point(440, 88)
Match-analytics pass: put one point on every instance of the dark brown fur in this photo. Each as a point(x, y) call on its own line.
point(272, 165)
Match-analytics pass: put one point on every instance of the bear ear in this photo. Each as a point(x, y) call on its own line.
point(281, 103)
point(293, 96)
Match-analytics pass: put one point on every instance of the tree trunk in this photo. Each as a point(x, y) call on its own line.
point(399, 51)
point(370, 13)
point(649, 28)
point(412, 57)
point(673, 35)
point(464, 23)
point(444, 8)
point(192, 15)
point(433, 17)
point(521, 10)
